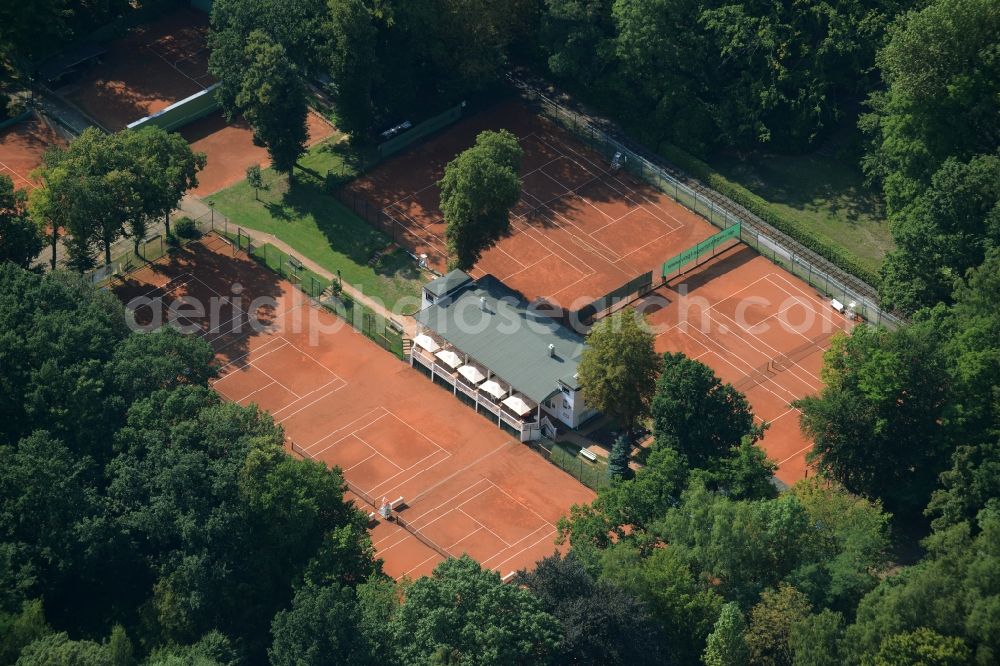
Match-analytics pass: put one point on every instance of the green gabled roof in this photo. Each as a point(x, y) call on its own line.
point(508, 337)
point(447, 283)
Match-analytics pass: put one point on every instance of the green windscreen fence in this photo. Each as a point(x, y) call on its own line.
point(429, 126)
point(706, 248)
point(182, 113)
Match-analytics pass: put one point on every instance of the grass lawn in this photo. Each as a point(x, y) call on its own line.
point(320, 228)
point(825, 194)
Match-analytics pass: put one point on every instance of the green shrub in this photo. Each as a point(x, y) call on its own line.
point(186, 228)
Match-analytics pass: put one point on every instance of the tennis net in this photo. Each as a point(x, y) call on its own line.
point(368, 499)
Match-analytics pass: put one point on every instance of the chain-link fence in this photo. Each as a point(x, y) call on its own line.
point(772, 243)
point(593, 474)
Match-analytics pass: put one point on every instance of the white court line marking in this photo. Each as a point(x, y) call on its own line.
point(770, 356)
point(404, 470)
point(172, 65)
point(804, 448)
point(17, 175)
point(346, 426)
point(451, 499)
point(438, 447)
point(297, 396)
point(820, 308)
point(422, 563)
point(275, 338)
point(475, 531)
point(547, 535)
point(374, 453)
point(506, 443)
point(315, 390)
point(393, 489)
point(249, 364)
point(343, 437)
point(540, 517)
point(170, 285)
point(548, 527)
point(446, 513)
point(738, 368)
point(712, 307)
point(310, 404)
point(502, 540)
point(572, 228)
point(254, 391)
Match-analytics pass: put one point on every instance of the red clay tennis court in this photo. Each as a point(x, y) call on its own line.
point(21, 149)
point(146, 71)
point(578, 231)
point(230, 149)
point(468, 487)
point(760, 329)
point(163, 63)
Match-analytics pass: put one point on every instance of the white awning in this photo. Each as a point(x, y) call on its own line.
point(472, 373)
point(517, 405)
point(426, 342)
point(493, 388)
point(449, 358)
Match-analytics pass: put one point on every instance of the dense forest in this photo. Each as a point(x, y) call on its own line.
point(145, 521)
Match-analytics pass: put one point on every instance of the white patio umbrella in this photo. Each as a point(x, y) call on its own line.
point(426, 342)
point(493, 388)
point(517, 405)
point(472, 373)
point(449, 358)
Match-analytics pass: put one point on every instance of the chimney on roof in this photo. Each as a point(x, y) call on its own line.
point(552, 350)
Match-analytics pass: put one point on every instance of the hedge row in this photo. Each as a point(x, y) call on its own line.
point(835, 254)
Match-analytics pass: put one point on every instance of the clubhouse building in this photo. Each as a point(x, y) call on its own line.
point(500, 355)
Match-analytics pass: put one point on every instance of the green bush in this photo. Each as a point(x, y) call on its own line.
point(186, 228)
point(835, 254)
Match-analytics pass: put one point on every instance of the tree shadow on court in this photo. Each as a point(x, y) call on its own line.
point(222, 273)
point(725, 262)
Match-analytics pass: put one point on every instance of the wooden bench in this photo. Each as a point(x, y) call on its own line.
point(589, 455)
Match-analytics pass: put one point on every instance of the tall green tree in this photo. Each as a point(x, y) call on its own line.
point(878, 423)
point(462, 613)
point(21, 238)
point(771, 622)
point(942, 233)
point(726, 645)
point(105, 186)
point(272, 96)
point(166, 169)
point(601, 623)
point(322, 627)
point(942, 74)
point(621, 451)
point(817, 640)
point(477, 192)
point(59, 335)
point(353, 63)
point(951, 591)
point(923, 646)
point(695, 413)
point(683, 606)
point(619, 367)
